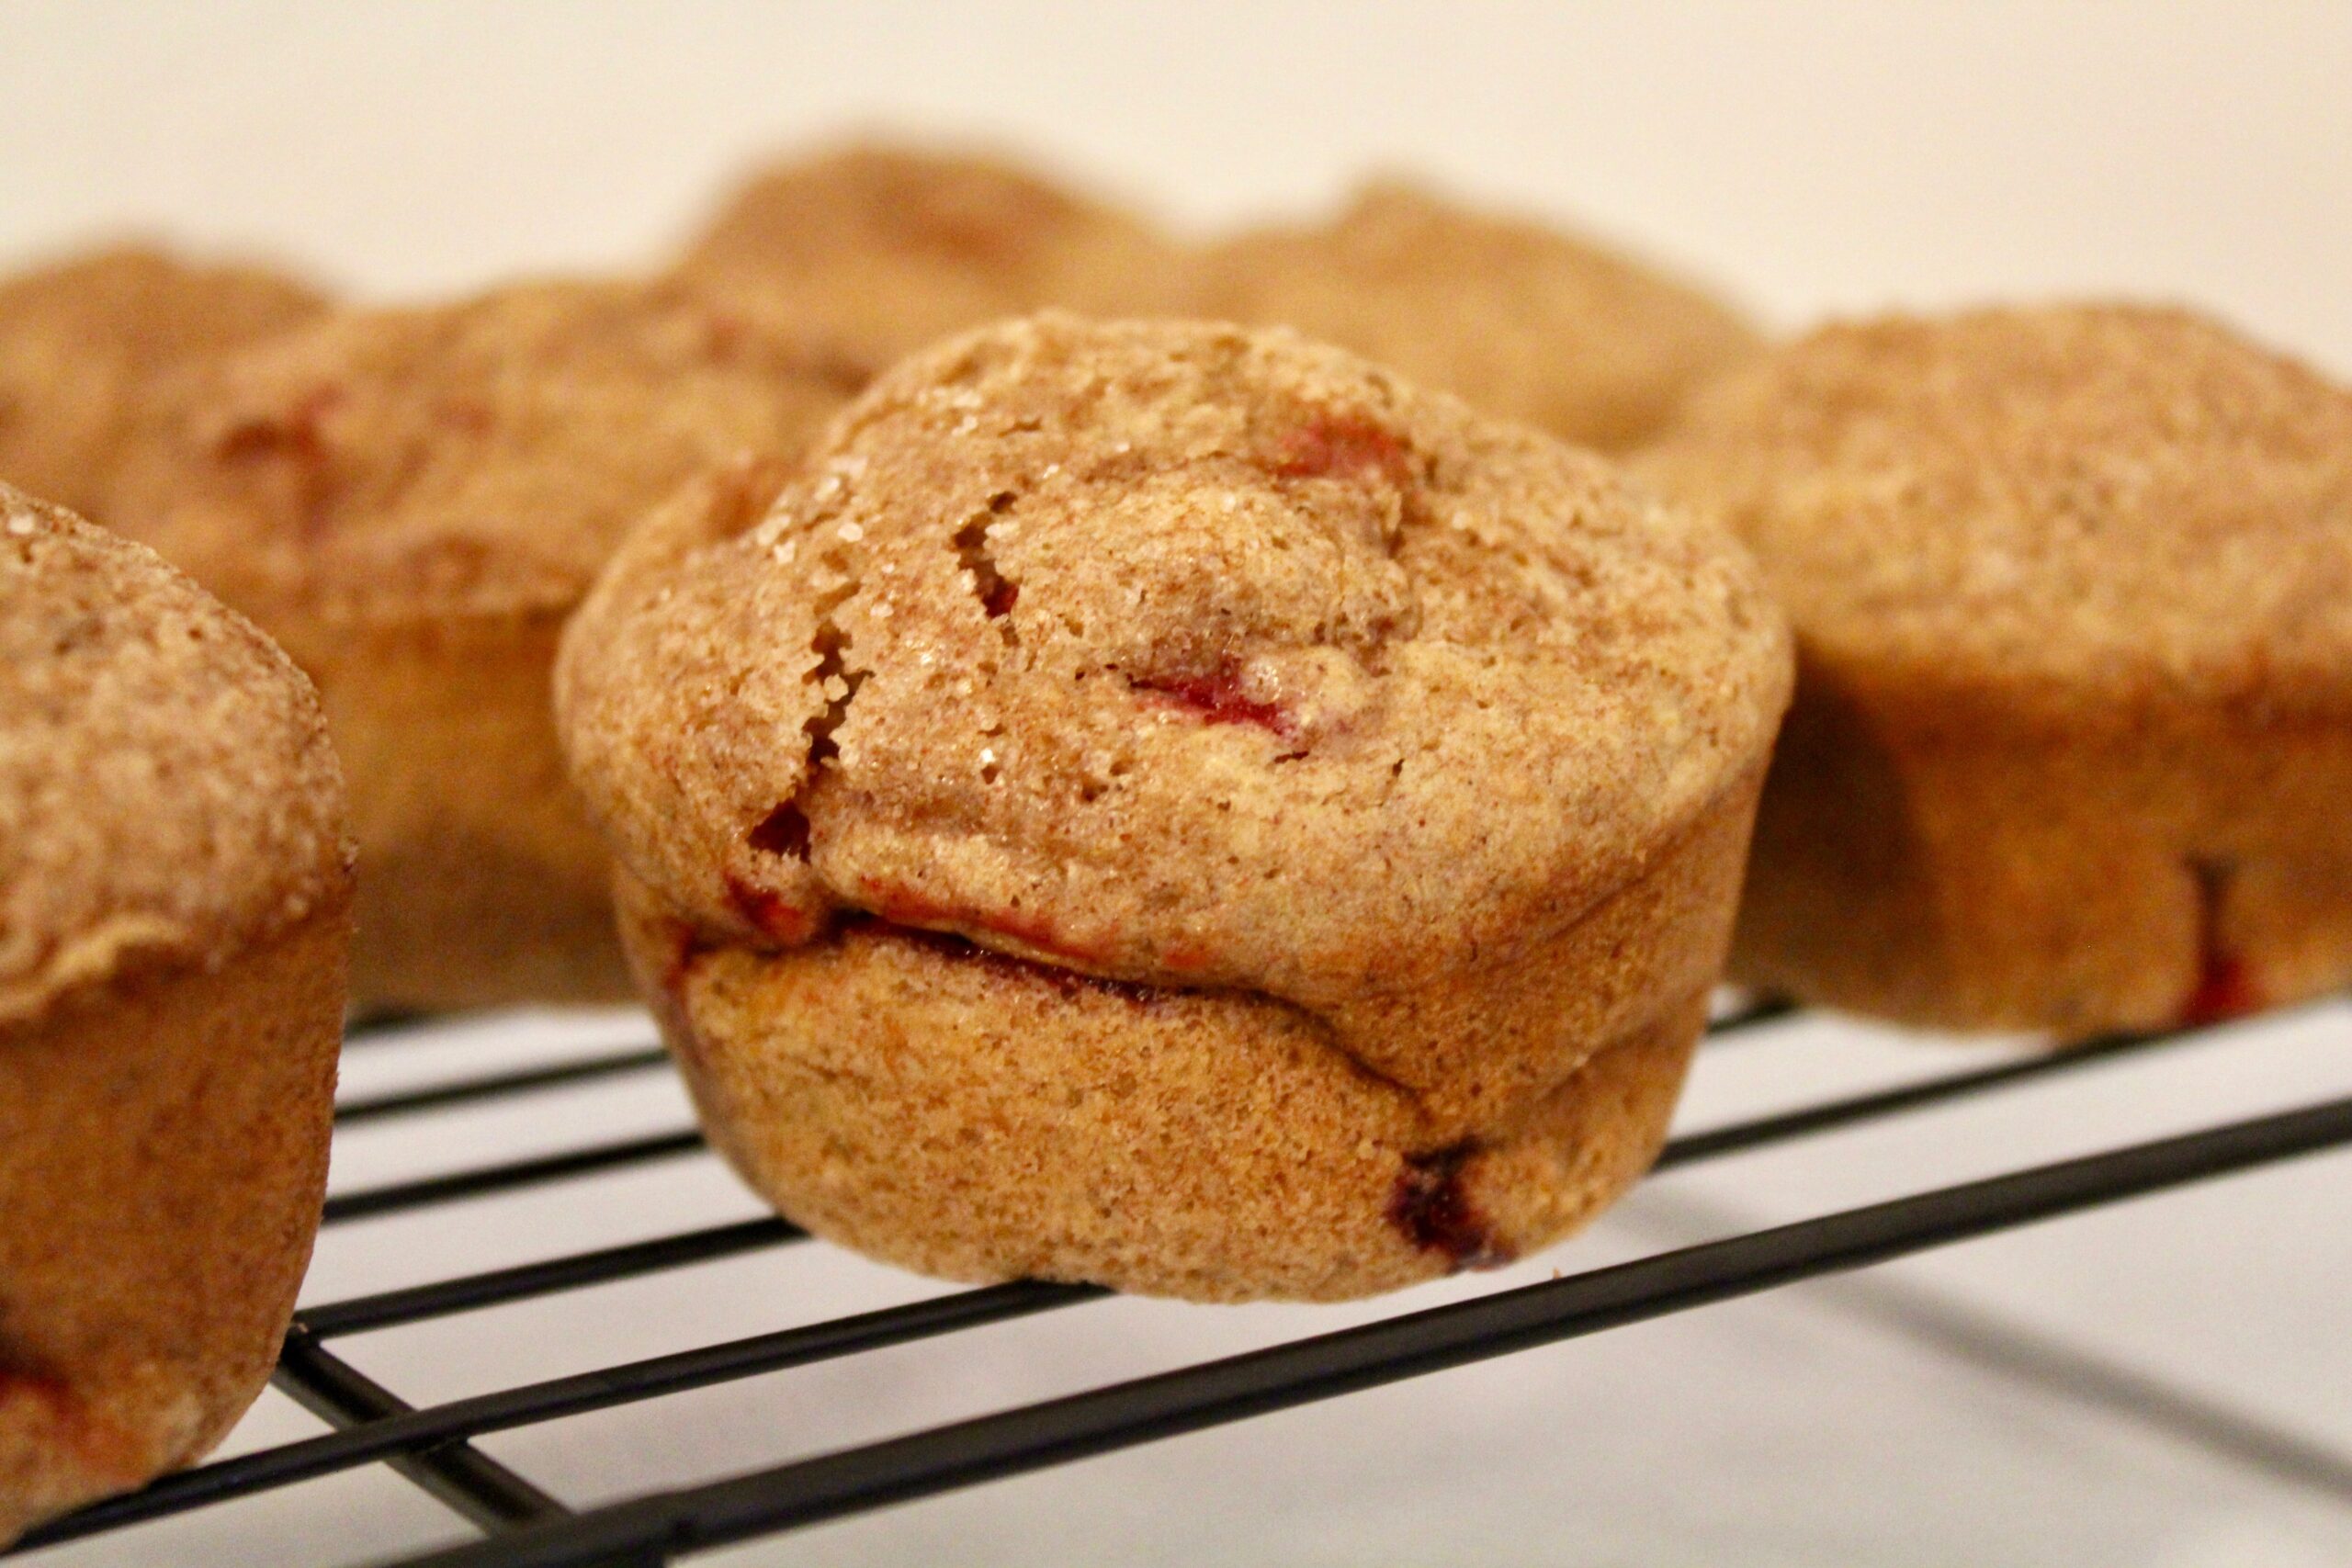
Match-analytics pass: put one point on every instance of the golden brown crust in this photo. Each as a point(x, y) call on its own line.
point(163, 1156)
point(2072, 588)
point(83, 341)
point(1377, 739)
point(869, 251)
point(1525, 320)
point(2122, 502)
point(413, 500)
point(167, 796)
point(1926, 855)
point(1158, 634)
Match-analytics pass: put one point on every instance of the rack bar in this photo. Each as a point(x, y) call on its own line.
point(1831, 1115)
point(1125, 1415)
point(382, 1025)
point(441, 1096)
point(572, 1395)
point(460, 1474)
point(298, 1462)
point(414, 1303)
point(1753, 1014)
point(508, 1175)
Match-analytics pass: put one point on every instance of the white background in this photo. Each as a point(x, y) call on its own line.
point(2166, 1383)
point(1811, 156)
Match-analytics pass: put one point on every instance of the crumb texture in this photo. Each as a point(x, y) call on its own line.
point(1525, 320)
point(167, 790)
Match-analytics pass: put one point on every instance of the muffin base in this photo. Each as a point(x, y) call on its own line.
point(973, 1115)
point(481, 882)
point(1963, 860)
point(162, 1160)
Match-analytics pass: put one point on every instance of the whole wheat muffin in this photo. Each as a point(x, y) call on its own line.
point(174, 914)
point(1168, 805)
point(869, 251)
point(83, 341)
point(2072, 736)
point(1522, 319)
point(412, 501)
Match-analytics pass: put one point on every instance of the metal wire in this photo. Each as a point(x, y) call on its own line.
point(460, 1475)
point(432, 1446)
point(809, 1491)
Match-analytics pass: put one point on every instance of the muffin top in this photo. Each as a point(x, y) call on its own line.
point(81, 341)
point(1524, 321)
point(1166, 652)
point(166, 791)
point(482, 457)
point(2088, 499)
point(870, 251)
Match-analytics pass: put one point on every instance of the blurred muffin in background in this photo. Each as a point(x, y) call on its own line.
point(2073, 735)
point(871, 250)
point(413, 500)
point(83, 340)
point(1525, 320)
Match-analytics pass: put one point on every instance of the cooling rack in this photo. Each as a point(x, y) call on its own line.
point(522, 1525)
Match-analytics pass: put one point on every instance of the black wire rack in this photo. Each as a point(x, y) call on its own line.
point(523, 1525)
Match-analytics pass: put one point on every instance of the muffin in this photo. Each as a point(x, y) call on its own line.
point(2072, 736)
point(83, 341)
point(1177, 807)
point(175, 913)
point(869, 251)
point(1522, 319)
point(412, 501)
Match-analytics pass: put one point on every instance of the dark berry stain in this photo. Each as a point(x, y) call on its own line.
point(769, 915)
point(298, 433)
point(962, 950)
point(1338, 446)
point(2226, 987)
point(1429, 1206)
point(16, 1383)
point(688, 947)
point(295, 439)
point(784, 832)
point(71, 1421)
point(1217, 697)
point(905, 907)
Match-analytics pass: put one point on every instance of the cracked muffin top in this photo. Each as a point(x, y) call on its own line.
point(166, 791)
point(1166, 652)
point(871, 251)
point(82, 342)
point(2090, 498)
point(1523, 320)
point(484, 455)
